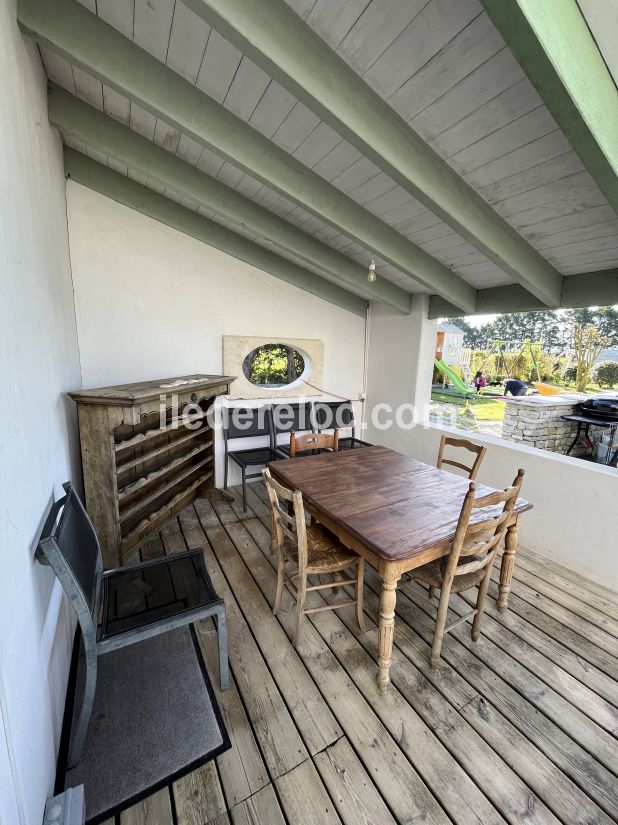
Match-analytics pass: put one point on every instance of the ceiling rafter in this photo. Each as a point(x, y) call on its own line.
point(103, 133)
point(583, 290)
point(284, 46)
point(122, 189)
point(555, 48)
point(88, 42)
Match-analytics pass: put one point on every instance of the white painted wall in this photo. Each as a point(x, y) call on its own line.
point(575, 517)
point(38, 347)
point(400, 365)
point(154, 303)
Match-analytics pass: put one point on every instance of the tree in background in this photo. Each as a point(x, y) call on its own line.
point(551, 328)
point(606, 374)
point(587, 344)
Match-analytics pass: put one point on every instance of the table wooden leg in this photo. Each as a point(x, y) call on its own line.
point(386, 624)
point(508, 563)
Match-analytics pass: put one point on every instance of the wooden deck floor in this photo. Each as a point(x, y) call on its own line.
point(520, 727)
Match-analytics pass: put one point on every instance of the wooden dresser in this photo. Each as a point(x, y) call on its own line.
point(147, 452)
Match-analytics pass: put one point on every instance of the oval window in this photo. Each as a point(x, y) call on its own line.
point(273, 366)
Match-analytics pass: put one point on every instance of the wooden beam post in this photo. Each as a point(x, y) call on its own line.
point(72, 31)
point(282, 44)
point(95, 176)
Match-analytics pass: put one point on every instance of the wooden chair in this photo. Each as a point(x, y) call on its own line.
point(466, 445)
point(470, 559)
point(311, 443)
point(288, 418)
point(309, 551)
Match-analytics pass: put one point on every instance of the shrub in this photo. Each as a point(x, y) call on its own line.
point(606, 374)
point(569, 375)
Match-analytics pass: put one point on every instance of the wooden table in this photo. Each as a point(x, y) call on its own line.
point(396, 512)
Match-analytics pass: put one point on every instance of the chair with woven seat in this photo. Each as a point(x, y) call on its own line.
point(461, 443)
point(470, 559)
point(313, 443)
point(309, 551)
point(117, 608)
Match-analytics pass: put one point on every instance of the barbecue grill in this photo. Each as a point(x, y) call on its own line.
point(604, 408)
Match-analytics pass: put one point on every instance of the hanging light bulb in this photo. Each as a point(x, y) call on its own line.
point(371, 273)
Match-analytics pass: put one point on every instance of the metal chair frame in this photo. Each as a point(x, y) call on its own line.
point(263, 454)
point(342, 417)
point(88, 606)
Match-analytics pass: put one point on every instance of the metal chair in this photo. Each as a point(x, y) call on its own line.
point(292, 418)
point(116, 608)
point(464, 444)
point(329, 415)
point(247, 422)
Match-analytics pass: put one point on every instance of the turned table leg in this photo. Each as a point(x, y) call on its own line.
point(386, 624)
point(506, 569)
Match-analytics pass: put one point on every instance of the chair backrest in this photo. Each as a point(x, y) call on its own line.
point(291, 526)
point(482, 538)
point(72, 549)
point(293, 417)
point(330, 415)
point(464, 444)
point(246, 422)
point(313, 441)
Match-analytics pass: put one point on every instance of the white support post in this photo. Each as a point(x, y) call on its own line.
point(400, 366)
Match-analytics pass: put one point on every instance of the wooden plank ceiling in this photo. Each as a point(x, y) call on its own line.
point(441, 65)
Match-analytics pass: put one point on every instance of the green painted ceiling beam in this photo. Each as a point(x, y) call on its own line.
point(79, 36)
point(95, 176)
point(282, 44)
point(554, 46)
point(585, 290)
point(98, 131)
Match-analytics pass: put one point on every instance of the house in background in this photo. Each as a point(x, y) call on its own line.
point(609, 354)
point(449, 344)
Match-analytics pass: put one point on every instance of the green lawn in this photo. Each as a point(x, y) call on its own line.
point(474, 413)
point(485, 407)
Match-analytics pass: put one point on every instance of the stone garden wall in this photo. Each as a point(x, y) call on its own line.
point(537, 422)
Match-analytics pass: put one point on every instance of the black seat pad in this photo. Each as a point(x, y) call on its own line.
point(170, 586)
point(257, 455)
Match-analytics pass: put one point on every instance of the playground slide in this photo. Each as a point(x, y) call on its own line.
point(452, 376)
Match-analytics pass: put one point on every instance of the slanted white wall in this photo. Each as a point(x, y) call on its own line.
point(154, 303)
point(37, 429)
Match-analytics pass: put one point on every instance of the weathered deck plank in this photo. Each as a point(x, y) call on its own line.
point(591, 593)
point(519, 727)
point(355, 796)
point(198, 796)
point(304, 797)
point(260, 809)
point(155, 810)
point(312, 715)
point(539, 772)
